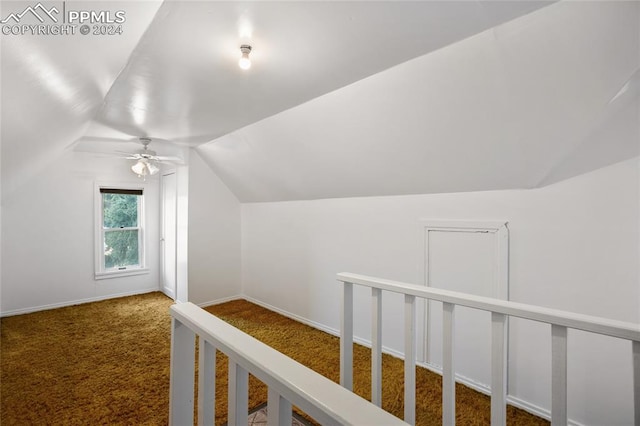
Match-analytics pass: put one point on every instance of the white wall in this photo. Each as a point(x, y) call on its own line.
point(574, 246)
point(48, 235)
point(214, 235)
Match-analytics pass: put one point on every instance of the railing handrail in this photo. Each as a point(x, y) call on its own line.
point(593, 324)
point(321, 398)
point(501, 310)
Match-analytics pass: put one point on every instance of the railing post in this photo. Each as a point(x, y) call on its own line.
point(182, 372)
point(346, 338)
point(376, 346)
point(636, 380)
point(558, 375)
point(238, 394)
point(278, 409)
point(410, 359)
point(498, 369)
point(206, 382)
point(448, 370)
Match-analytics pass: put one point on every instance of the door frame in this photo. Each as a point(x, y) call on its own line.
point(165, 173)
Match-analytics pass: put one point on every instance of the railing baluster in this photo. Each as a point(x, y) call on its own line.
point(636, 380)
point(448, 370)
point(238, 394)
point(376, 346)
point(279, 409)
point(206, 382)
point(182, 372)
point(498, 369)
point(410, 359)
point(558, 375)
point(346, 338)
point(501, 310)
point(289, 382)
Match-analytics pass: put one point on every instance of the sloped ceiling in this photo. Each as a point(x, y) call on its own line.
point(53, 86)
point(183, 84)
point(541, 98)
point(343, 99)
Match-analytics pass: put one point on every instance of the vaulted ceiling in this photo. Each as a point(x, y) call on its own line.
point(343, 98)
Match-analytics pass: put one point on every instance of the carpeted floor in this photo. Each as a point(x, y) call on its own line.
point(108, 363)
point(98, 363)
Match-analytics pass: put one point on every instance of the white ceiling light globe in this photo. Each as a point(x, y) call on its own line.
point(245, 62)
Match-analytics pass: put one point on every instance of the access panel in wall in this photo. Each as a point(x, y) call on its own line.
point(469, 257)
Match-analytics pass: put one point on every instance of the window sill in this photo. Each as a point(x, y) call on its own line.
point(120, 274)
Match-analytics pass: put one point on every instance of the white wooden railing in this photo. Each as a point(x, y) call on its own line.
point(500, 311)
point(288, 381)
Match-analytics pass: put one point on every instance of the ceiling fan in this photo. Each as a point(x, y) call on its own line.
point(147, 160)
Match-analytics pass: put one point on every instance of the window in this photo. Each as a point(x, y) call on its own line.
point(120, 242)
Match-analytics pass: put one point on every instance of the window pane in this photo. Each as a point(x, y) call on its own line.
point(120, 248)
point(120, 210)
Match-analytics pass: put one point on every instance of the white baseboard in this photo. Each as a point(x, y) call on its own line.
point(459, 378)
point(538, 411)
point(287, 314)
point(511, 400)
point(319, 326)
point(219, 301)
point(75, 302)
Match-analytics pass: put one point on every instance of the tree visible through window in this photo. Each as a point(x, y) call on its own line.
point(121, 228)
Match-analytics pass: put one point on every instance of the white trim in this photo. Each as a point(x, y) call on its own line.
point(536, 410)
point(459, 378)
point(592, 324)
point(219, 301)
point(182, 234)
point(119, 274)
point(500, 285)
point(75, 302)
point(319, 326)
point(171, 292)
point(464, 225)
point(143, 240)
point(322, 327)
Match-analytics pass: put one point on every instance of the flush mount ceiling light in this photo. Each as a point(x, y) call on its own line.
point(245, 62)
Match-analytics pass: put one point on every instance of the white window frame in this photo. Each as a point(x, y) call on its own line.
point(100, 271)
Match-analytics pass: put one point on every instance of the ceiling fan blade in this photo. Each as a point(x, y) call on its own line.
point(125, 148)
point(102, 145)
point(169, 158)
point(127, 140)
point(101, 139)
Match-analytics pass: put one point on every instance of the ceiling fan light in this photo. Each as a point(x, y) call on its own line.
point(140, 168)
point(153, 168)
point(146, 164)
